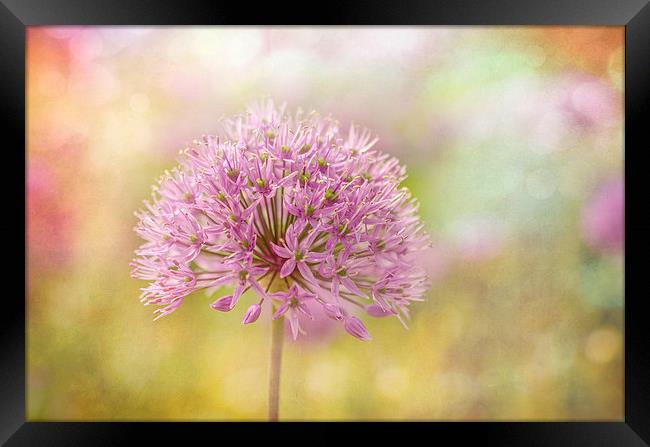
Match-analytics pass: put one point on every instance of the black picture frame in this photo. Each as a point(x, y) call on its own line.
point(16, 15)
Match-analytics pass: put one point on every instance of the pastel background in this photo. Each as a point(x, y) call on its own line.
point(513, 140)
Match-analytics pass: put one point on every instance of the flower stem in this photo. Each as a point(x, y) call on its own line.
point(277, 339)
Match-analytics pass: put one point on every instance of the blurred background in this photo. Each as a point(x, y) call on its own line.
point(513, 140)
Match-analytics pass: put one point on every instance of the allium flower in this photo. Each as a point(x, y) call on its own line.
point(289, 207)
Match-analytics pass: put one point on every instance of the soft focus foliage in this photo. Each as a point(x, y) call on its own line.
point(513, 143)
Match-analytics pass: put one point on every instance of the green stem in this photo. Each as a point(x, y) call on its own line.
point(277, 339)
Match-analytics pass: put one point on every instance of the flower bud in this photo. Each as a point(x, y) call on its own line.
point(355, 327)
point(252, 314)
point(223, 304)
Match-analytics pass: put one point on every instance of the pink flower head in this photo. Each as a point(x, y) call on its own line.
point(289, 200)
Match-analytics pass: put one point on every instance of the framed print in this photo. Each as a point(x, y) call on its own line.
point(395, 219)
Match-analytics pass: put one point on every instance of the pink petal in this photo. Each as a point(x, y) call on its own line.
point(287, 268)
point(378, 312)
point(248, 211)
point(295, 326)
point(280, 251)
point(256, 286)
point(315, 257)
point(335, 286)
point(239, 289)
point(306, 273)
point(352, 287)
point(291, 208)
point(312, 234)
point(287, 179)
point(304, 310)
point(281, 311)
point(380, 300)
